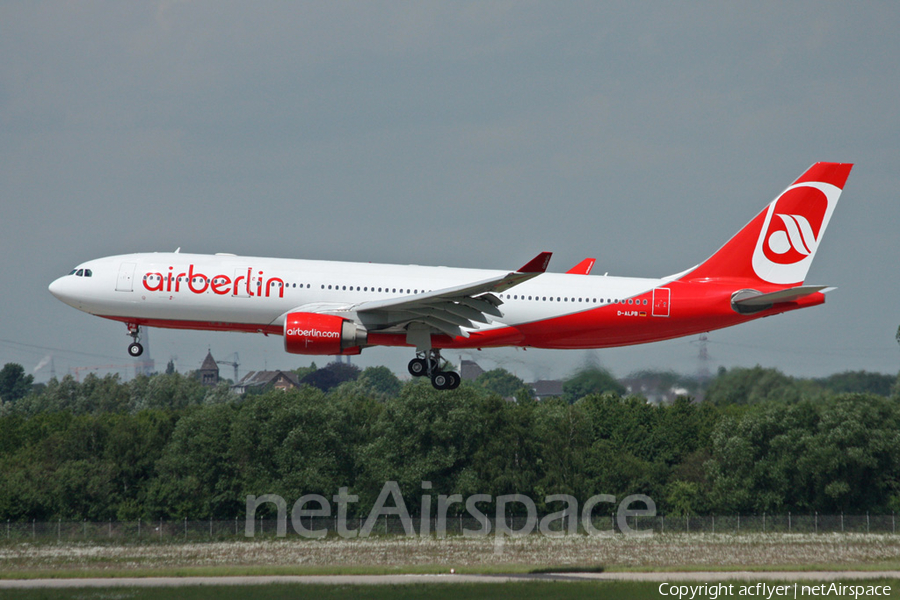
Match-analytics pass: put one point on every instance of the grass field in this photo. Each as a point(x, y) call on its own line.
point(501, 591)
point(397, 554)
point(387, 555)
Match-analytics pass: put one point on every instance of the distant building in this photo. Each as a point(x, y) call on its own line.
point(209, 371)
point(656, 388)
point(469, 370)
point(546, 389)
point(279, 380)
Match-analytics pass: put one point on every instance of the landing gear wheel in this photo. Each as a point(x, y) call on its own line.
point(455, 380)
point(417, 367)
point(134, 348)
point(441, 380)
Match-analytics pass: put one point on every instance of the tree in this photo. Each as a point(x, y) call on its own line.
point(592, 380)
point(684, 498)
point(858, 382)
point(302, 372)
point(166, 391)
point(332, 375)
point(833, 455)
point(752, 386)
point(501, 381)
point(196, 476)
point(380, 380)
point(438, 436)
point(14, 383)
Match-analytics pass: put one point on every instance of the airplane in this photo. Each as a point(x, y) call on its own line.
point(339, 308)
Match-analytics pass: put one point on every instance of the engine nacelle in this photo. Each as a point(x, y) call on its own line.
point(313, 333)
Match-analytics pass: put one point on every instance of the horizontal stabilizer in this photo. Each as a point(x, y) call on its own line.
point(750, 301)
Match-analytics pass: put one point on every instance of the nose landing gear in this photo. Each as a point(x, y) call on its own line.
point(134, 348)
point(429, 364)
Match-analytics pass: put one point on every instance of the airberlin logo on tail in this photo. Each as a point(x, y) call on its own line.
point(790, 234)
point(797, 235)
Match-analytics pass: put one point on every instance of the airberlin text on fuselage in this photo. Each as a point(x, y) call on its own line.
point(222, 285)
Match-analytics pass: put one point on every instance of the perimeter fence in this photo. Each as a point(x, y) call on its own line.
point(185, 530)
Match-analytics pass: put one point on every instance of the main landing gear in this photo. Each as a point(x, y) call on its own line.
point(134, 348)
point(429, 364)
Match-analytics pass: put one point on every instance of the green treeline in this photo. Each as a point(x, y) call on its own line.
point(166, 447)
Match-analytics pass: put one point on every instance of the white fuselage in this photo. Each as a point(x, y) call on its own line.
point(254, 292)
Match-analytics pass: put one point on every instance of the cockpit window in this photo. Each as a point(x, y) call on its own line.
point(72, 272)
point(79, 273)
point(88, 273)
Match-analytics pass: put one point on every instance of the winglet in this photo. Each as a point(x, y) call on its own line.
point(582, 268)
point(538, 264)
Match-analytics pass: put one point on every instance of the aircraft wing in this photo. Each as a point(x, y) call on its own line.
point(451, 309)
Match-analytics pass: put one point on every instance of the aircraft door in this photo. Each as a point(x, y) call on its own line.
point(125, 282)
point(661, 301)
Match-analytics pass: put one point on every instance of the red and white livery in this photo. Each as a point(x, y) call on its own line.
point(331, 308)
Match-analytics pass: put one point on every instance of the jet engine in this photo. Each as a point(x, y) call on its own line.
point(313, 333)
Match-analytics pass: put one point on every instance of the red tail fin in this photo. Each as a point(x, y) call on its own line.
point(778, 246)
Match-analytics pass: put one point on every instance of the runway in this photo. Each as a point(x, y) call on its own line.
point(702, 576)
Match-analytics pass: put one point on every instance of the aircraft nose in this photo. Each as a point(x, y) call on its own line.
point(55, 287)
point(61, 289)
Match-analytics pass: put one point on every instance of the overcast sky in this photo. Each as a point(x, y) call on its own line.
point(450, 133)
